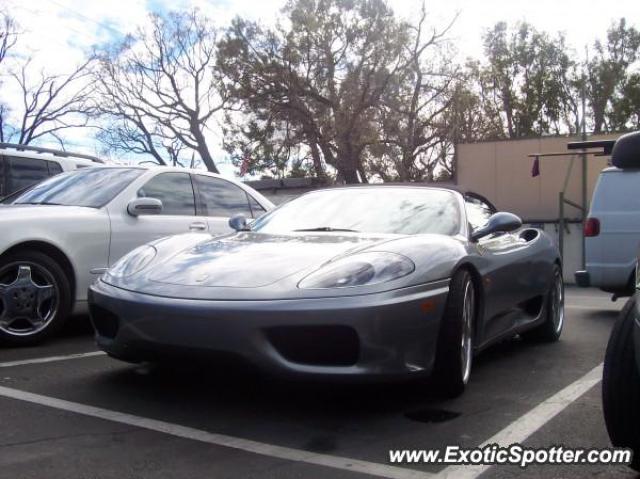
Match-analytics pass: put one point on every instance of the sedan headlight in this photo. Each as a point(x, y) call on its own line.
point(359, 270)
point(133, 262)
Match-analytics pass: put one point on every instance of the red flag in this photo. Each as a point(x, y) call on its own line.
point(535, 170)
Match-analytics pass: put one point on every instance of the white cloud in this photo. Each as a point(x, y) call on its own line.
point(59, 33)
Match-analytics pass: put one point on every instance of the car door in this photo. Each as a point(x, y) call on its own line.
point(219, 199)
point(178, 215)
point(504, 284)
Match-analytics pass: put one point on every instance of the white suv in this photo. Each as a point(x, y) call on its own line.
point(23, 165)
point(61, 234)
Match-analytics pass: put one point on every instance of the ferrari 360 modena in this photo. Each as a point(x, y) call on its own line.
point(376, 281)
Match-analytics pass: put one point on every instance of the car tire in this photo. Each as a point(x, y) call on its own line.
point(454, 354)
point(551, 329)
point(43, 271)
point(621, 386)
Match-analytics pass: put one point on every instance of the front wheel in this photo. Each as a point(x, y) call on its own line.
point(454, 355)
point(35, 298)
point(621, 386)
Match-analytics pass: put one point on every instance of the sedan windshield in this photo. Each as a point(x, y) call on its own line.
point(90, 187)
point(380, 210)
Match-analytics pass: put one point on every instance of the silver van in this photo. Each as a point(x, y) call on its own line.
point(612, 228)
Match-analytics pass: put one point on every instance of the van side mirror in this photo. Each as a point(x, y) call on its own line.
point(500, 222)
point(144, 206)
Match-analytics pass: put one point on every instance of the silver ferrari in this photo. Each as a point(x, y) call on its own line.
point(380, 281)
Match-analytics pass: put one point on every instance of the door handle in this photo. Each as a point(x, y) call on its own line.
point(198, 226)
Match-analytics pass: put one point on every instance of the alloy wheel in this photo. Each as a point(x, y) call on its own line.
point(29, 298)
point(557, 302)
point(468, 313)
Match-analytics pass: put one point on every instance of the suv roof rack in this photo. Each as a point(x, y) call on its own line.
point(54, 152)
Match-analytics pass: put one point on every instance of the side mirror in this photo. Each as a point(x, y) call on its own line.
point(239, 222)
point(498, 222)
point(144, 206)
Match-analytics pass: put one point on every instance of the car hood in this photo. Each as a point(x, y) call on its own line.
point(253, 260)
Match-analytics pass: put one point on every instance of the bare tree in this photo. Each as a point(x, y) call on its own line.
point(50, 103)
point(8, 35)
point(412, 111)
point(8, 38)
point(160, 87)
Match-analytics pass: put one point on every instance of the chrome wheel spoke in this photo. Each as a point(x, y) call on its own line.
point(24, 275)
point(44, 293)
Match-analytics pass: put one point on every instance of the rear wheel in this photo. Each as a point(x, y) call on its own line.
point(551, 329)
point(621, 386)
point(35, 298)
point(455, 342)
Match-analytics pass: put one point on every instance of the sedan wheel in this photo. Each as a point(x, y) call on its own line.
point(34, 298)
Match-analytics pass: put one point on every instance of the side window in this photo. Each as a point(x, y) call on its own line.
point(478, 212)
point(256, 208)
point(23, 172)
point(221, 198)
point(174, 190)
point(54, 168)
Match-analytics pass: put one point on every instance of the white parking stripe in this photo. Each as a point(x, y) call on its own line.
point(298, 455)
point(50, 359)
point(525, 426)
point(608, 307)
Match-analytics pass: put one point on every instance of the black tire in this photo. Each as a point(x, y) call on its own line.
point(62, 287)
point(451, 373)
point(621, 386)
point(551, 329)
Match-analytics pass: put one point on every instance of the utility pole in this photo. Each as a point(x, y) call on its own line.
point(585, 206)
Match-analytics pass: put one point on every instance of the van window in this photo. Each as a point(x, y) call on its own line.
point(23, 172)
point(616, 191)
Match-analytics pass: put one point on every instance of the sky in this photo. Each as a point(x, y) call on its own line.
point(58, 33)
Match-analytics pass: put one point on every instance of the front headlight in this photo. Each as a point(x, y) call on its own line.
point(359, 270)
point(133, 262)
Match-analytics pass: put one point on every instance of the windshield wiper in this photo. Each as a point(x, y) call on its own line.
point(328, 228)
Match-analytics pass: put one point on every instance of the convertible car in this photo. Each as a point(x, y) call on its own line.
point(368, 281)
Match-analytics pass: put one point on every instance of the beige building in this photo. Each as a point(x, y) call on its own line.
point(501, 171)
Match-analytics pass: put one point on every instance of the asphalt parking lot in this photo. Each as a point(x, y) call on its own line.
point(66, 412)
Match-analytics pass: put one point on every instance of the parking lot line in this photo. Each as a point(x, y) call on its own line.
point(271, 450)
point(582, 306)
point(51, 359)
point(525, 426)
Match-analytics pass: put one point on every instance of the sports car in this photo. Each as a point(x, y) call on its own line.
point(376, 281)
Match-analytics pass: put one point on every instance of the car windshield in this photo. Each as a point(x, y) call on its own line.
point(378, 210)
point(90, 187)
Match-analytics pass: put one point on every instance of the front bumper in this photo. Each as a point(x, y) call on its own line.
point(377, 335)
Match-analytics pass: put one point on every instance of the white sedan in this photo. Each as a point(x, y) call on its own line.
point(58, 236)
